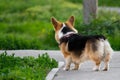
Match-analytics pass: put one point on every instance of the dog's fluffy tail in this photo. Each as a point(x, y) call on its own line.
point(107, 48)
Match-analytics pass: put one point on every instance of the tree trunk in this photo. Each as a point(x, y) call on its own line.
point(90, 10)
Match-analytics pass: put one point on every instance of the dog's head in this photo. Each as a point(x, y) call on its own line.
point(63, 29)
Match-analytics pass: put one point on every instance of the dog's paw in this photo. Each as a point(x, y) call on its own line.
point(65, 69)
point(105, 69)
point(75, 69)
point(95, 69)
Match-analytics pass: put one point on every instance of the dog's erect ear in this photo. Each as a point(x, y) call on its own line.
point(71, 20)
point(54, 22)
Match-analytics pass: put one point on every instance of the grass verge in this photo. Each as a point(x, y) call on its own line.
point(26, 68)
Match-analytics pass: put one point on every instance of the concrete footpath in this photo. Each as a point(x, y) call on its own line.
point(84, 73)
point(52, 53)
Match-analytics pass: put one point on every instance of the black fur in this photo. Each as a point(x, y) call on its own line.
point(76, 42)
point(66, 29)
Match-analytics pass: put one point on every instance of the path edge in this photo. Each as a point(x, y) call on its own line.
point(53, 72)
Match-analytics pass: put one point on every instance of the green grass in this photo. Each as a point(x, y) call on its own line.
point(26, 68)
point(25, 24)
point(110, 3)
point(28, 26)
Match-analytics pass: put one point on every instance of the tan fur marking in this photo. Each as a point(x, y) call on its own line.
point(66, 55)
point(69, 24)
point(107, 58)
point(57, 30)
point(76, 66)
point(59, 26)
point(64, 50)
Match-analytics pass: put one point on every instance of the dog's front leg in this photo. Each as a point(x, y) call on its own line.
point(68, 63)
point(67, 56)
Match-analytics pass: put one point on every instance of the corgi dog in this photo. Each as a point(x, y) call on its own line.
point(77, 48)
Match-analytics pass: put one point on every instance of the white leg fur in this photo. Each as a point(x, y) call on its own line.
point(68, 62)
point(96, 68)
point(108, 54)
point(106, 67)
point(107, 48)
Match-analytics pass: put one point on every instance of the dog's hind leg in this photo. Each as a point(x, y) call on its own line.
point(107, 54)
point(97, 66)
point(97, 61)
point(106, 62)
point(76, 66)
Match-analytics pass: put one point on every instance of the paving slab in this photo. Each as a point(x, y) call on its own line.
point(86, 72)
point(56, 54)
